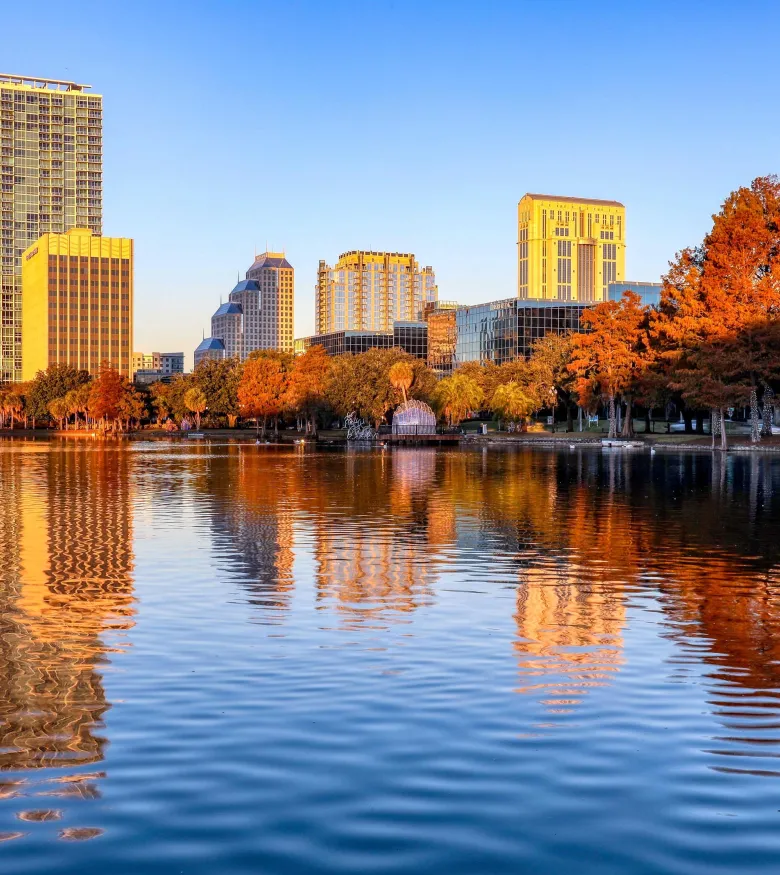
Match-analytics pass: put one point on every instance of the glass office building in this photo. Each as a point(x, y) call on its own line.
point(502, 331)
point(650, 293)
point(411, 337)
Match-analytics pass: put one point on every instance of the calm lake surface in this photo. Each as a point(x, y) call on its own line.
point(232, 659)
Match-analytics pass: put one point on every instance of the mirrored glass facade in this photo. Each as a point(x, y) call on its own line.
point(502, 331)
point(412, 337)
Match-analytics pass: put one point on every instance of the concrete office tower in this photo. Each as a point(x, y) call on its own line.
point(51, 175)
point(369, 291)
point(77, 302)
point(268, 309)
point(568, 248)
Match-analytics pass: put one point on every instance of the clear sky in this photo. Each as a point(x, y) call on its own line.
point(320, 127)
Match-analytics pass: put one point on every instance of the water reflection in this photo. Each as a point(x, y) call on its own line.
point(66, 597)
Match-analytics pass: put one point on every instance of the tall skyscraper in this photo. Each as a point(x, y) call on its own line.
point(77, 302)
point(369, 291)
point(568, 248)
point(51, 169)
point(268, 313)
point(258, 313)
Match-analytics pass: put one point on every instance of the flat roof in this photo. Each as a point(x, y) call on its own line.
point(573, 200)
point(40, 82)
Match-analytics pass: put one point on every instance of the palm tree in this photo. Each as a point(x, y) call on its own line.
point(195, 400)
point(59, 410)
point(401, 375)
point(458, 395)
point(511, 402)
point(12, 406)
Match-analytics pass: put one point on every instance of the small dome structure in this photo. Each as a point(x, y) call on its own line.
point(414, 417)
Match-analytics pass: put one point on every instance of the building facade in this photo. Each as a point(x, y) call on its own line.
point(268, 309)
point(209, 348)
point(370, 291)
point(51, 180)
point(569, 249)
point(503, 331)
point(77, 302)
point(228, 325)
point(650, 293)
point(151, 367)
point(259, 311)
point(441, 320)
point(411, 337)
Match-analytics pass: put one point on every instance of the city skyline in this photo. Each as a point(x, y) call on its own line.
point(469, 146)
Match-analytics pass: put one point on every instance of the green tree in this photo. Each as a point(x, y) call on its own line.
point(55, 382)
point(552, 380)
point(218, 379)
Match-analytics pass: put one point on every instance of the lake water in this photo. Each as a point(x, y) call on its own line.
point(232, 659)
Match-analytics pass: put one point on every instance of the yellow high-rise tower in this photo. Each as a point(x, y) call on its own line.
point(51, 164)
point(77, 302)
point(568, 248)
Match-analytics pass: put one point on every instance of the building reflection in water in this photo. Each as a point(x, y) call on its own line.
point(253, 496)
point(66, 598)
point(374, 566)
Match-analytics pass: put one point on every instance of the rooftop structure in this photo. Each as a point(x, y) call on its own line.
point(37, 82)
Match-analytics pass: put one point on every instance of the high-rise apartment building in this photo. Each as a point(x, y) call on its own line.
point(77, 302)
point(369, 291)
point(51, 170)
point(568, 248)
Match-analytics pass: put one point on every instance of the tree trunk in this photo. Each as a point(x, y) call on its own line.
point(699, 422)
point(766, 417)
point(628, 422)
point(648, 412)
point(688, 418)
point(612, 422)
point(755, 431)
point(569, 416)
point(723, 439)
point(265, 425)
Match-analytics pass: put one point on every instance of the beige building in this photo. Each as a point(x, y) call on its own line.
point(568, 248)
point(51, 174)
point(268, 310)
point(77, 302)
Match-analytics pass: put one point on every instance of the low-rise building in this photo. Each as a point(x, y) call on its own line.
point(503, 331)
point(650, 293)
point(151, 367)
point(412, 337)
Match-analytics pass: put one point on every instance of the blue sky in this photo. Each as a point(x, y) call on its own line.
point(413, 126)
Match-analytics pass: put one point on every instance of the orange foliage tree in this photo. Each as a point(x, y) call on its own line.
point(308, 385)
point(719, 298)
point(262, 390)
point(106, 396)
point(612, 356)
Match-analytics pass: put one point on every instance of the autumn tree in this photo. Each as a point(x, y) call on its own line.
point(552, 380)
point(106, 394)
point(715, 292)
point(262, 391)
point(612, 355)
point(307, 385)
